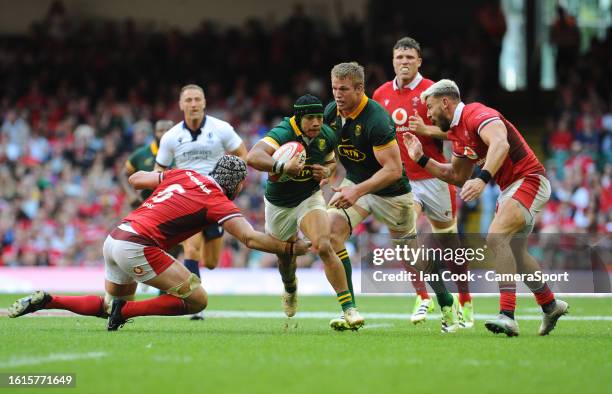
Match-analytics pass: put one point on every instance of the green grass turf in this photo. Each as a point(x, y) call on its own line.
point(256, 355)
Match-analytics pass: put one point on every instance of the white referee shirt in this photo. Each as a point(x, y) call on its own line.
point(215, 139)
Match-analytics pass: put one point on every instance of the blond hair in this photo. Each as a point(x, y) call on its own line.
point(444, 87)
point(352, 70)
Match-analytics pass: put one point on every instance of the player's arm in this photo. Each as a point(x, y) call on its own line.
point(391, 171)
point(457, 172)
point(242, 230)
point(417, 125)
point(146, 179)
point(495, 135)
point(322, 173)
point(260, 158)
point(128, 170)
point(241, 152)
point(165, 154)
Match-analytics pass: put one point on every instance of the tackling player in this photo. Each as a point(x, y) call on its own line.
point(182, 203)
point(298, 204)
point(482, 136)
point(433, 197)
point(197, 143)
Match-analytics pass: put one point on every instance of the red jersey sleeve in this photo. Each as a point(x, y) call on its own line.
point(479, 116)
point(221, 209)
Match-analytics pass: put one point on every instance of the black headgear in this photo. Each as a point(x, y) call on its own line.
point(228, 173)
point(307, 105)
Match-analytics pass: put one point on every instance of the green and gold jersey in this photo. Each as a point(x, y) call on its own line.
point(319, 150)
point(369, 128)
point(142, 159)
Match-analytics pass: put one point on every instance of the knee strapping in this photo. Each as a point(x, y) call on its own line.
point(447, 230)
point(184, 290)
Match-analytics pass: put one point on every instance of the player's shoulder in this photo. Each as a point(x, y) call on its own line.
point(376, 112)
point(425, 83)
point(174, 132)
point(478, 112)
point(328, 133)
point(282, 129)
point(330, 111)
point(383, 89)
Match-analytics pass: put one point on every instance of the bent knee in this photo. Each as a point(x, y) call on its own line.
point(197, 301)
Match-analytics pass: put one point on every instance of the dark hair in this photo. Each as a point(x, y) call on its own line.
point(408, 42)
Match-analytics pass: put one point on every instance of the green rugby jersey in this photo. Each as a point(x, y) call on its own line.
point(143, 159)
point(319, 150)
point(367, 129)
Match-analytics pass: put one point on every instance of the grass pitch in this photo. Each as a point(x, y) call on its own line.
point(257, 354)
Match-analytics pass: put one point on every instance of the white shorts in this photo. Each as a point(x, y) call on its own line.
point(283, 223)
point(130, 257)
point(532, 192)
point(437, 198)
point(396, 212)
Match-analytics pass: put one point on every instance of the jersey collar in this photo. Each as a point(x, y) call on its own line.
point(358, 110)
point(154, 147)
point(412, 85)
point(457, 114)
point(194, 133)
point(294, 126)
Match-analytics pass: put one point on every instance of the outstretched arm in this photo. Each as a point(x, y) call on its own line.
point(146, 179)
point(242, 230)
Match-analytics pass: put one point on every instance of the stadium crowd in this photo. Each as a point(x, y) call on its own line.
point(78, 97)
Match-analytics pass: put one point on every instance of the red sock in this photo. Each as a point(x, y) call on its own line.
point(90, 305)
point(164, 305)
point(507, 298)
point(419, 286)
point(463, 286)
point(544, 295)
point(464, 297)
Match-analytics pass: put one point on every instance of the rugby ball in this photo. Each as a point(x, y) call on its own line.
point(285, 153)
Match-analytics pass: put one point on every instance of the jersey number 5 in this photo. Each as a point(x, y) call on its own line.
point(168, 192)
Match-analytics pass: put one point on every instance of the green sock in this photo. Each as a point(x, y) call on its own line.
point(346, 300)
point(442, 294)
point(348, 269)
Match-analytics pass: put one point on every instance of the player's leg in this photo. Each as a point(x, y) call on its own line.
point(192, 249)
point(399, 215)
point(531, 196)
point(508, 220)
point(315, 226)
point(281, 223)
point(117, 284)
point(213, 244)
point(441, 210)
point(183, 291)
point(423, 304)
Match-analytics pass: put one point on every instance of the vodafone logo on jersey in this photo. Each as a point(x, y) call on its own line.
point(400, 116)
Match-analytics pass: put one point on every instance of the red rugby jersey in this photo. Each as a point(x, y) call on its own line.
point(184, 203)
point(402, 103)
point(465, 129)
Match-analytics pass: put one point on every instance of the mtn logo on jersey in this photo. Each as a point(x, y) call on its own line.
point(304, 175)
point(400, 116)
point(469, 152)
point(351, 153)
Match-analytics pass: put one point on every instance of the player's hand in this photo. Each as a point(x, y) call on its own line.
point(320, 173)
point(413, 146)
point(472, 189)
point(345, 197)
point(300, 247)
point(294, 166)
point(416, 124)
